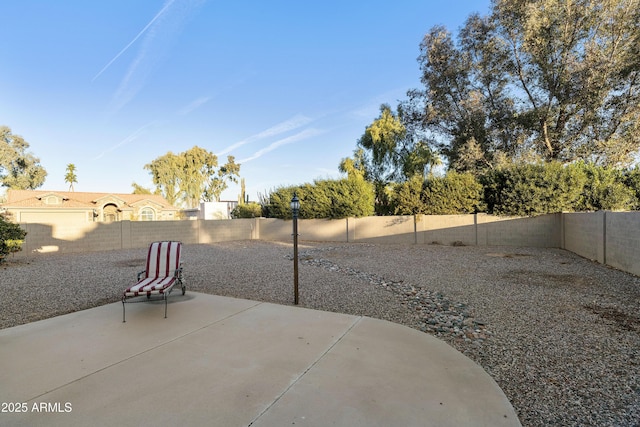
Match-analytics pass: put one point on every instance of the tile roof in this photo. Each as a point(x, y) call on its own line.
point(76, 199)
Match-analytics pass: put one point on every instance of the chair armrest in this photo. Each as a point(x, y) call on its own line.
point(178, 272)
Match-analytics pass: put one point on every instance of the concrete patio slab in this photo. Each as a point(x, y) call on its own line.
point(219, 361)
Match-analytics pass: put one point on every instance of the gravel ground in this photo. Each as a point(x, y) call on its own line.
point(559, 334)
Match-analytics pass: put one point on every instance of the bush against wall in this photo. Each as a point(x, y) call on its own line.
point(632, 181)
point(522, 189)
point(605, 189)
point(277, 203)
point(247, 210)
point(533, 189)
point(342, 198)
point(11, 237)
point(406, 198)
point(454, 193)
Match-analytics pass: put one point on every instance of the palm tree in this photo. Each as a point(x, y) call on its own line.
point(71, 177)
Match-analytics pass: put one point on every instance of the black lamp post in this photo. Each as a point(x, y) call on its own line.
point(295, 208)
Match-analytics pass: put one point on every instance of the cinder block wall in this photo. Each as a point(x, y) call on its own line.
point(45, 238)
point(584, 234)
point(611, 238)
point(320, 230)
point(226, 230)
point(540, 231)
point(333, 230)
point(382, 229)
point(99, 236)
point(622, 241)
point(480, 229)
point(447, 229)
point(145, 232)
point(272, 229)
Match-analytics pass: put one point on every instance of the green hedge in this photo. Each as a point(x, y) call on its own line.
point(532, 189)
point(632, 181)
point(343, 198)
point(11, 238)
point(247, 210)
point(454, 193)
point(605, 189)
point(516, 190)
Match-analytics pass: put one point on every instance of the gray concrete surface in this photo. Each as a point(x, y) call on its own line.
point(218, 361)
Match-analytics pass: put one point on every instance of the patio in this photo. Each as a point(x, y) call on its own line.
point(232, 362)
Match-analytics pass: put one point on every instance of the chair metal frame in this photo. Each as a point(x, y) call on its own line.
point(146, 287)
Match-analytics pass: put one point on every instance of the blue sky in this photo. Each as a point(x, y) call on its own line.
point(287, 87)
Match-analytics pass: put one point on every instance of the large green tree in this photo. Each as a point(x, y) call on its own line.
point(192, 176)
point(165, 174)
point(139, 189)
point(387, 152)
point(555, 80)
point(217, 183)
point(19, 169)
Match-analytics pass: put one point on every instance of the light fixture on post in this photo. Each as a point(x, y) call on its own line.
point(295, 209)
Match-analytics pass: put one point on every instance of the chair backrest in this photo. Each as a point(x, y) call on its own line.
point(163, 259)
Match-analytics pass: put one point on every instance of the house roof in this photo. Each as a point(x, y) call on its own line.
point(76, 199)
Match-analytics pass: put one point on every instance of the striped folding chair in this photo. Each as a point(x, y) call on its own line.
point(163, 271)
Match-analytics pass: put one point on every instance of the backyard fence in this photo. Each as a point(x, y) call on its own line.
point(611, 238)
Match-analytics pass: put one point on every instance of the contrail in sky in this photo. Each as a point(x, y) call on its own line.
point(194, 105)
point(169, 3)
point(286, 126)
point(307, 133)
point(127, 140)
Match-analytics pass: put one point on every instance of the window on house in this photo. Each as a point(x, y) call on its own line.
point(147, 214)
point(51, 200)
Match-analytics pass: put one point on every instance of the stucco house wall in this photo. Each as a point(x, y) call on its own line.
point(70, 207)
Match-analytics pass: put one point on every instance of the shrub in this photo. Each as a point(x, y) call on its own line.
point(343, 198)
point(11, 237)
point(454, 193)
point(605, 189)
point(340, 198)
point(407, 197)
point(632, 181)
point(247, 210)
point(532, 189)
point(278, 203)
